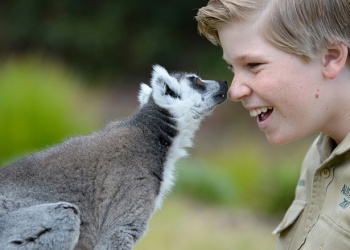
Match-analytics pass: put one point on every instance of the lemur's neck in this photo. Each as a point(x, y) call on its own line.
point(158, 121)
point(172, 135)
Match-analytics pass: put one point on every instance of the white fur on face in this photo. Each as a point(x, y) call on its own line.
point(185, 99)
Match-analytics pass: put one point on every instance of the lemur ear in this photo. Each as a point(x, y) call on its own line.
point(163, 84)
point(144, 94)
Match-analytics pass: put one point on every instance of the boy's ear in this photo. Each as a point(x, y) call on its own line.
point(333, 60)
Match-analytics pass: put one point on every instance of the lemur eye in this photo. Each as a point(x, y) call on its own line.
point(199, 81)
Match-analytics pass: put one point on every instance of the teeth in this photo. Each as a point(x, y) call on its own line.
point(258, 111)
point(264, 109)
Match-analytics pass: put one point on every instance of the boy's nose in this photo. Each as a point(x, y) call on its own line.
point(239, 90)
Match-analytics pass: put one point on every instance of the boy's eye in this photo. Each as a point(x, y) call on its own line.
point(253, 65)
point(230, 67)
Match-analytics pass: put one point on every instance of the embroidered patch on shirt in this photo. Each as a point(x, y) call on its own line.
point(301, 183)
point(346, 192)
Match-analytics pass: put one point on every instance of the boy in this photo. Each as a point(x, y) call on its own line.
point(291, 65)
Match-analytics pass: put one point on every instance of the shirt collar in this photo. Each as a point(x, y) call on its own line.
point(327, 147)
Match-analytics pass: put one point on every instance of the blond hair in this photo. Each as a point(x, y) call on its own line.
point(218, 12)
point(302, 27)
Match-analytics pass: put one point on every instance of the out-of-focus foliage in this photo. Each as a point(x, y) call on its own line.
point(206, 183)
point(188, 225)
point(108, 37)
point(244, 176)
point(39, 106)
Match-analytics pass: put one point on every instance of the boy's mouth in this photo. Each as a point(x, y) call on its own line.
point(262, 113)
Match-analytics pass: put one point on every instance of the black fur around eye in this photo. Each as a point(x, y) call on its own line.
point(197, 83)
point(193, 79)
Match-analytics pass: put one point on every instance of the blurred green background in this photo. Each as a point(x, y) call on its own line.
point(69, 67)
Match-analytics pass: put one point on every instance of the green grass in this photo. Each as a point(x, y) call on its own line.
point(187, 225)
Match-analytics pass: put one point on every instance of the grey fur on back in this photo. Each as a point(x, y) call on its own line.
point(99, 191)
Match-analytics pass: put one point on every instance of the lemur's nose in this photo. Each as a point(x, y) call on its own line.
point(223, 86)
point(224, 83)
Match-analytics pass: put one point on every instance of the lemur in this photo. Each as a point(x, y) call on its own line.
point(99, 191)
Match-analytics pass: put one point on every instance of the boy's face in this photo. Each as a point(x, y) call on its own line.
point(290, 93)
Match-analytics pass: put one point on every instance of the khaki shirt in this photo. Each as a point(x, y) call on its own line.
point(319, 217)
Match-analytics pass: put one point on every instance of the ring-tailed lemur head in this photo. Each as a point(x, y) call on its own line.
point(183, 94)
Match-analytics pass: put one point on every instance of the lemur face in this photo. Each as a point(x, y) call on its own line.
point(184, 93)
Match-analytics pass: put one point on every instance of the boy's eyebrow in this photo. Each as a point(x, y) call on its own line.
point(243, 58)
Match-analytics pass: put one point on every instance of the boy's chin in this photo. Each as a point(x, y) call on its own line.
point(280, 140)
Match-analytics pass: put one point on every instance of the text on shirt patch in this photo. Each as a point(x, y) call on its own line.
point(301, 183)
point(346, 192)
